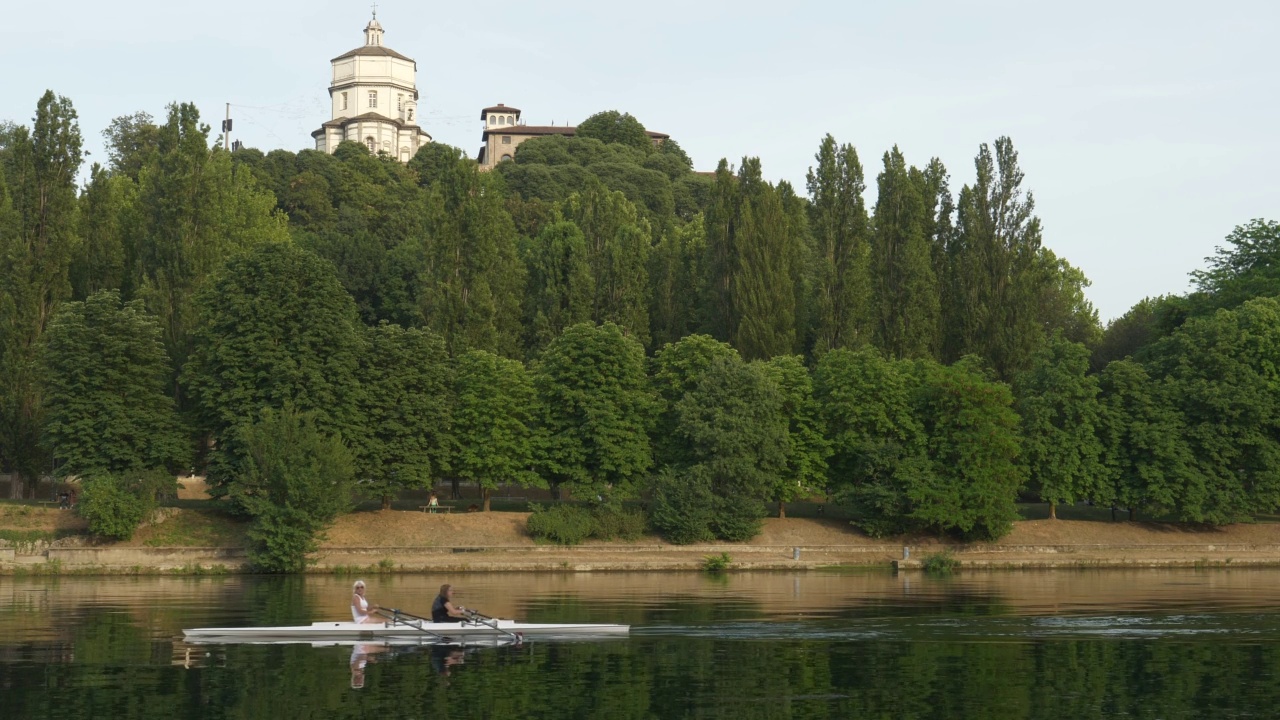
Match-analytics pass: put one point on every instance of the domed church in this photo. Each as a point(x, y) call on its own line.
point(374, 95)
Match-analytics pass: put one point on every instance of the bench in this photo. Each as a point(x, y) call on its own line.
point(436, 508)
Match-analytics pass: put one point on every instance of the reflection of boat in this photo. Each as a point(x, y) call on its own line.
point(407, 630)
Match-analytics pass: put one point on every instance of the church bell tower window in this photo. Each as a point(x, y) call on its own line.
point(373, 99)
point(344, 101)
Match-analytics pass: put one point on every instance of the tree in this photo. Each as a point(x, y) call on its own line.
point(736, 435)
point(750, 252)
point(132, 142)
point(474, 279)
point(612, 126)
point(561, 290)
point(1248, 266)
point(617, 243)
point(1058, 403)
point(1144, 454)
point(494, 415)
point(1063, 305)
point(904, 289)
point(404, 411)
point(38, 168)
point(194, 211)
point(294, 481)
point(997, 286)
point(596, 409)
point(676, 370)
point(972, 476)
point(807, 447)
point(866, 405)
point(1221, 373)
point(275, 328)
point(675, 277)
point(841, 233)
point(99, 259)
point(105, 387)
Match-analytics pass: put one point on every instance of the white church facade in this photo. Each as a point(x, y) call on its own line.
point(374, 98)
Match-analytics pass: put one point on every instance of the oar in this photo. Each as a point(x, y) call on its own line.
point(395, 616)
point(476, 617)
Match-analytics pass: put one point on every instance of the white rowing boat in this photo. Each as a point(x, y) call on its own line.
point(404, 629)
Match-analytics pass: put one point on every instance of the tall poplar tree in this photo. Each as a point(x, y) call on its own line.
point(474, 278)
point(841, 235)
point(617, 241)
point(750, 286)
point(905, 297)
point(38, 168)
point(675, 279)
point(560, 288)
point(996, 284)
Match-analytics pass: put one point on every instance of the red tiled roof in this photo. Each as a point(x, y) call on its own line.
point(550, 130)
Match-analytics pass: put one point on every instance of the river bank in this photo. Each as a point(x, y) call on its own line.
point(194, 542)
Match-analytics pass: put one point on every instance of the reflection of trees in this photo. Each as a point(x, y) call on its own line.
point(115, 676)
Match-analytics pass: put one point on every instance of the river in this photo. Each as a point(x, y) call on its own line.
point(1068, 644)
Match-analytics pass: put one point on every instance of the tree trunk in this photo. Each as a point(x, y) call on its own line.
point(386, 502)
point(1053, 511)
point(486, 499)
point(1133, 514)
point(782, 509)
point(457, 493)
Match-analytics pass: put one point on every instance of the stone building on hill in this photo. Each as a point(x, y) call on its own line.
point(503, 133)
point(374, 96)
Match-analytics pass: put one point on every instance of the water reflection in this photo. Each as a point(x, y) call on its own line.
point(1170, 644)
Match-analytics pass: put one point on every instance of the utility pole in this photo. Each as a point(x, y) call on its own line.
point(226, 130)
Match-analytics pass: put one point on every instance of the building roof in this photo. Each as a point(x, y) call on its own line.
point(499, 108)
point(372, 50)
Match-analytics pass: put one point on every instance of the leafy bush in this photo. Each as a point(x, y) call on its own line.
point(561, 524)
point(683, 506)
point(737, 518)
point(940, 563)
point(716, 563)
point(612, 521)
point(114, 506)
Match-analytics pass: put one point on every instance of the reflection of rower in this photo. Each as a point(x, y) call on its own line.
point(444, 657)
point(359, 659)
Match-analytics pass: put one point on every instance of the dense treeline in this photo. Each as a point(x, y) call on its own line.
point(597, 318)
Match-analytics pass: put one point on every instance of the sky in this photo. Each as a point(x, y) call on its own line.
point(1146, 130)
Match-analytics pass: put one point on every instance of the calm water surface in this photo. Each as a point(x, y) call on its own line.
point(1099, 644)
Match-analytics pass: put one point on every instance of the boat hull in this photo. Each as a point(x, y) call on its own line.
point(348, 631)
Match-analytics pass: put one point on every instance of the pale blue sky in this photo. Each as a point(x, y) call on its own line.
point(1147, 130)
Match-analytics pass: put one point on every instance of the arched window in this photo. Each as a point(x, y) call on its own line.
point(511, 120)
point(373, 144)
point(502, 119)
point(493, 119)
point(506, 156)
point(410, 113)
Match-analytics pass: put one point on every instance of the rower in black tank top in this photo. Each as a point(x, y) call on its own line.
point(438, 612)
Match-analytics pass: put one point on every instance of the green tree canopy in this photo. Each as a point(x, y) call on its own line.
point(106, 376)
point(294, 480)
point(612, 126)
point(1058, 403)
point(807, 447)
point(494, 413)
point(38, 167)
point(276, 328)
point(596, 409)
point(404, 411)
